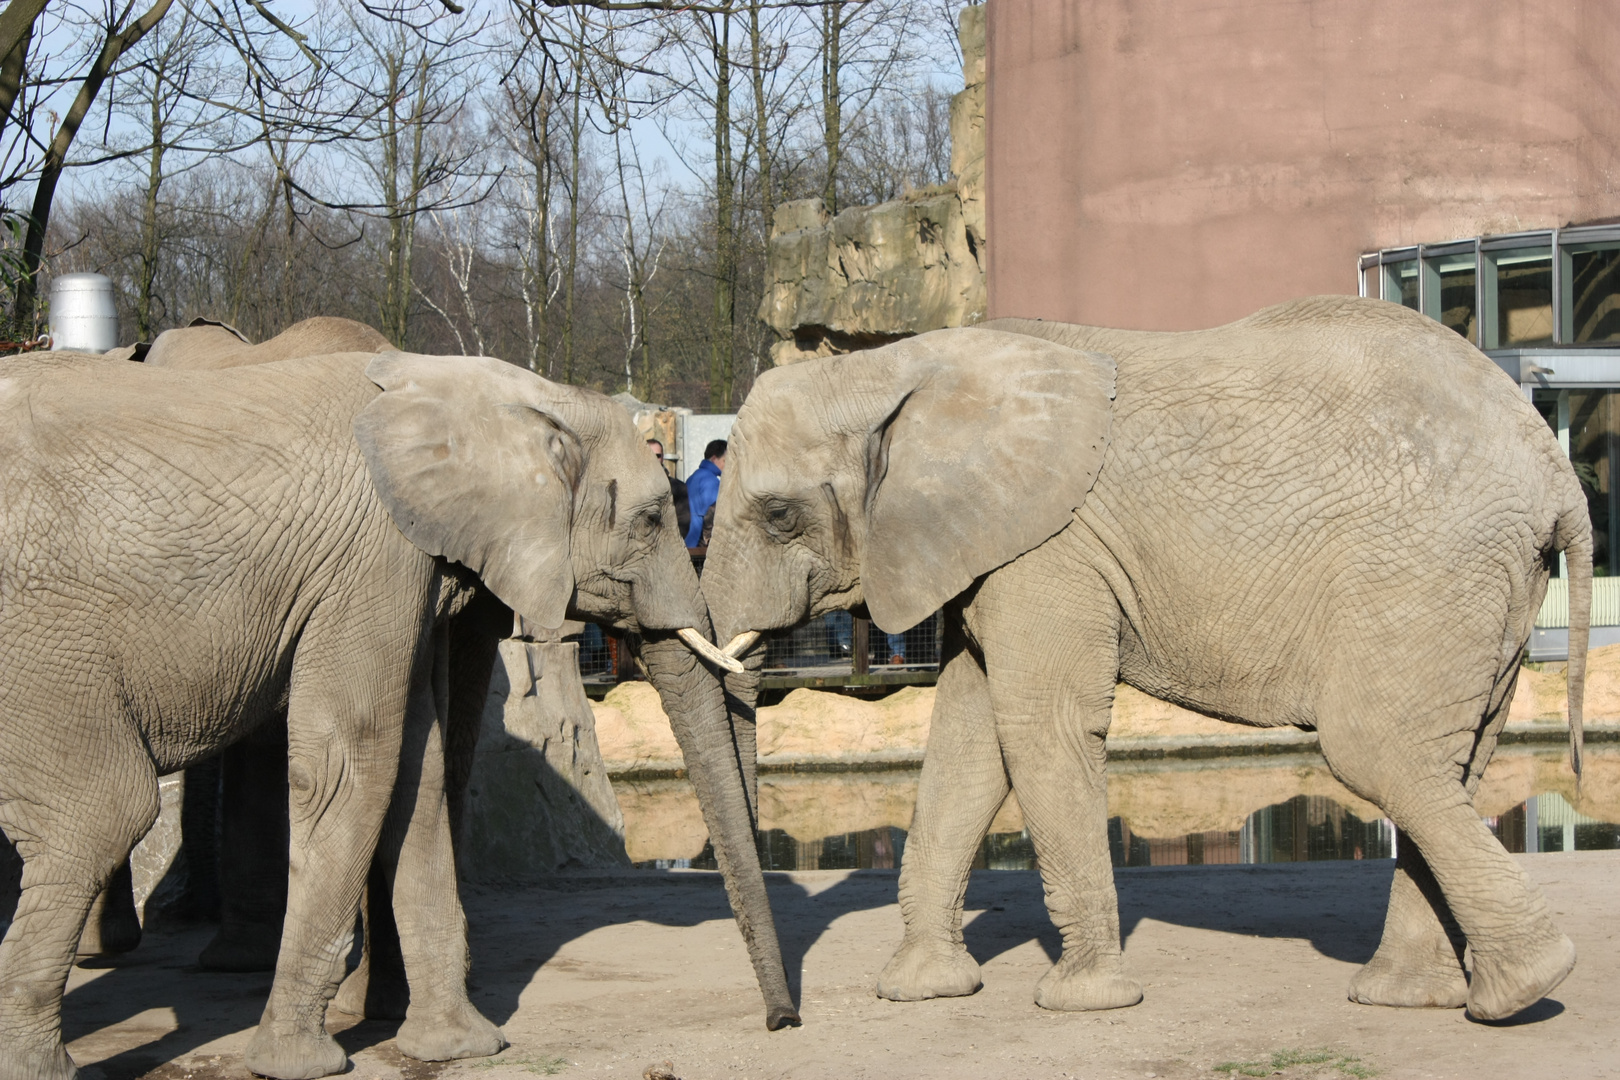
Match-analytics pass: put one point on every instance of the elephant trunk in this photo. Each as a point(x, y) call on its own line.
point(693, 700)
point(742, 696)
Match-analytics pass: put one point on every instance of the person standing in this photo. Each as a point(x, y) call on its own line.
point(677, 489)
point(703, 487)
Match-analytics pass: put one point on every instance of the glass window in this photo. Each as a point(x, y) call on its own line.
point(1401, 282)
point(1591, 289)
point(1518, 297)
point(1449, 295)
point(1369, 281)
point(1593, 419)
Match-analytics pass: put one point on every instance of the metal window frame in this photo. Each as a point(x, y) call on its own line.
point(1368, 261)
point(1391, 256)
point(1571, 242)
point(1427, 252)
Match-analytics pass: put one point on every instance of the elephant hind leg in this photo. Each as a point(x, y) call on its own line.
point(1419, 963)
point(252, 853)
point(73, 839)
point(113, 926)
point(1425, 784)
point(1419, 959)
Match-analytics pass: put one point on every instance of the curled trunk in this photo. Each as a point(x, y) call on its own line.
point(693, 699)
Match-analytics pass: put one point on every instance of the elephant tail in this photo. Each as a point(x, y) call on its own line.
point(1575, 539)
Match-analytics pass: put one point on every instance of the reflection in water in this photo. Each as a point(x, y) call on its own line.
point(1548, 823)
point(855, 820)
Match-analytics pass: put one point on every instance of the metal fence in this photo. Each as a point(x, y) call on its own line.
point(831, 644)
point(832, 651)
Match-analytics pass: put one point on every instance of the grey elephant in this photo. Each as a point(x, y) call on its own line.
point(253, 834)
point(1242, 521)
point(182, 553)
point(209, 345)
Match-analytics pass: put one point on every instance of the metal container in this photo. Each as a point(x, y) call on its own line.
point(83, 315)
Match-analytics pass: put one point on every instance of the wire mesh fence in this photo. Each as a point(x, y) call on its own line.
point(823, 647)
point(830, 642)
point(596, 656)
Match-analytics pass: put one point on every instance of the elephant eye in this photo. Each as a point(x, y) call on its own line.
point(648, 524)
point(781, 518)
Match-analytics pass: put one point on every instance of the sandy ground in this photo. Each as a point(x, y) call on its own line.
point(606, 974)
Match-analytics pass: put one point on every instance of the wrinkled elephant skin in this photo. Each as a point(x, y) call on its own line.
point(1335, 514)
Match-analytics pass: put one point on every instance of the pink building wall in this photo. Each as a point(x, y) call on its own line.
point(1173, 164)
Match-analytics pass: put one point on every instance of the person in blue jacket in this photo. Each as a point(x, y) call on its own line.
point(703, 487)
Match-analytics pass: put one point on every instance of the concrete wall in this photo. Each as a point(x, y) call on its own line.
point(1171, 164)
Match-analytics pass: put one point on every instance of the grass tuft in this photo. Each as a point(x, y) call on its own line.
point(540, 1066)
point(1287, 1059)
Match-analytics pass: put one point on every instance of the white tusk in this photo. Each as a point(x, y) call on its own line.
point(706, 649)
point(741, 643)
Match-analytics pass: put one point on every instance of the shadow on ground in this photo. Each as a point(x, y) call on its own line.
point(1337, 908)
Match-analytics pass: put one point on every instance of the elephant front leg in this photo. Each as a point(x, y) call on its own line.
point(342, 758)
point(417, 863)
point(1063, 793)
point(1052, 669)
point(963, 784)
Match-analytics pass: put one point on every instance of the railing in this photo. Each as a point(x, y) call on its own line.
point(835, 651)
point(839, 650)
point(1605, 603)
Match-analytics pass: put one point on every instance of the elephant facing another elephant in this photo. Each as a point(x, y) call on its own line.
point(182, 554)
point(1334, 514)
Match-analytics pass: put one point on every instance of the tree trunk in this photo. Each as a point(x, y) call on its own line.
point(117, 43)
point(723, 340)
point(832, 105)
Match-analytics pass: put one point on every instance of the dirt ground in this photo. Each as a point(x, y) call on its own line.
point(606, 974)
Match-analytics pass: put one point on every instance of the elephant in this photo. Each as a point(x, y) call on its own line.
point(1334, 514)
point(184, 553)
point(253, 849)
point(207, 345)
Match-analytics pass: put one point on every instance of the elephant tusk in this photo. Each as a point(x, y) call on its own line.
point(706, 649)
point(741, 643)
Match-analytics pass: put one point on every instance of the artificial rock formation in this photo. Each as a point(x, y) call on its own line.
point(539, 798)
point(874, 274)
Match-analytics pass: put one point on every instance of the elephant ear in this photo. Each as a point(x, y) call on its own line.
point(994, 443)
point(473, 465)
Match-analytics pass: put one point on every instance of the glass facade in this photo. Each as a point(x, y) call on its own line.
point(1588, 424)
point(1519, 297)
point(1591, 293)
point(1450, 293)
point(1401, 283)
point(1526, 290)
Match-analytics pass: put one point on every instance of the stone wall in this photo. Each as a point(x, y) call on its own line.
point(874, 274)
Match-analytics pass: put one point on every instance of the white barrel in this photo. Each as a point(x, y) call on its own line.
point(83, 315)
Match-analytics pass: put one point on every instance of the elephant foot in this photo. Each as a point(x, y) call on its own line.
point(52, 1064)
point(1503, 987)
point(1071, 988)
point(242, 947)
point(1437, 984)
point(465, 1033)
point(375, 995)
point(294, 1056)
point(920, 971)
point(112, 926)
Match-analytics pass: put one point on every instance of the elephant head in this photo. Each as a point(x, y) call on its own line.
point(890, 479)
point(546, 491)
point(893, 478)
